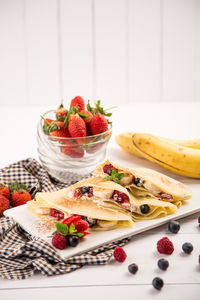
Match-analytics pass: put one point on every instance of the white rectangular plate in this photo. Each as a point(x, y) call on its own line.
point(31, 224)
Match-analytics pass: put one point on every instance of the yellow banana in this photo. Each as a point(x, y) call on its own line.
point(124, 140)
point(195, 143)
point(170, 155)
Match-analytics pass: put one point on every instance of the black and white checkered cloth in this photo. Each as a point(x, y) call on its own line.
point(22, 254)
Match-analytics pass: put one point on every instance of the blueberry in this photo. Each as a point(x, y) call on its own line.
point(163, 264)
point(133, 268)
point(138, 181)
point(73, 240)
point(91, 221)
point(109, 172)
point(85, 189)
point(144, 208)
point(157, 283)
point(173, 226)
point(187, 248)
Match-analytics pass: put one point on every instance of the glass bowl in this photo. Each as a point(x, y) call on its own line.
point(70, 159)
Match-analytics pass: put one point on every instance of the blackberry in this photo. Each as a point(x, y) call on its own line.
point(138, 181)
point(144, 208)
point(85, 189)
point(157, 283)
point(163, 264)
point(173, 226)
point(133, 268)
point(187, 248)
point(73, 240)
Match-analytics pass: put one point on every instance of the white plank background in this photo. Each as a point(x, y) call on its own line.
point(120, 51)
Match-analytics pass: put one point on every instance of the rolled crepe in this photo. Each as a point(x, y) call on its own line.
point(152, 183)
point(108, 217)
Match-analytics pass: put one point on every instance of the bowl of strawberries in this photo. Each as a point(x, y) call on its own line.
point(71, 142)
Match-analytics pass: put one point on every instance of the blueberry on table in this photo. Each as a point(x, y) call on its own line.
point(173, 226)
point(144, 208)
point(163, 264)
point(133, 268)
point(85, 189)
point(187, 248)
point(138, 181)
point(157, 283)
point(73, 240)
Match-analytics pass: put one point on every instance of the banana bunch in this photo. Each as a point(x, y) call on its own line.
point(179, 156)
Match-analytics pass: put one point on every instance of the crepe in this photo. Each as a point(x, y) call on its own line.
point(106, 217)
point(160, 194)
point(152, 183)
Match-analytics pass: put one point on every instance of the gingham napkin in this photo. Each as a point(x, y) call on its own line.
point(22, 254)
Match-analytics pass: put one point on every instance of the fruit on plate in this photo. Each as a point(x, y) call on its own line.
point(4, 204)
point(69, 232)
point(19, 194)
point(4, 190)
point(167, 153)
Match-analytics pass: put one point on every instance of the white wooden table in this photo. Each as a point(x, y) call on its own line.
point(113, 281)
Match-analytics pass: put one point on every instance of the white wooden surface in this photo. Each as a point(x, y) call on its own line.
point(113, 281)
point(121, 51)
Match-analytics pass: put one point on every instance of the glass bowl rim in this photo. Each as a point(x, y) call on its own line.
point(109, 131)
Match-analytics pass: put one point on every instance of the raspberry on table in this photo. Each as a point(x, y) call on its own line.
point(59, 241)
point(119, 254)
point(165, 246)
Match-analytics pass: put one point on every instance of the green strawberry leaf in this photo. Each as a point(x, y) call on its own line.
point(84, 116)
point(2, 185)
point(108, 178)
point(66, 120)
point(61, 228)
point(75, 109)
point(90, 108)
point(59, 117)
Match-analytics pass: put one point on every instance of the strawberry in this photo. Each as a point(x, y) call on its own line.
point(61, 113)
point(19, 194)
point(60, 130)
point(86, 115)
point(4, 204)
point(78, 100)
point(76, 126)
point(47, 120)
point(98, 124)
point(73, 151)
point(4, 190)
point(68, 221)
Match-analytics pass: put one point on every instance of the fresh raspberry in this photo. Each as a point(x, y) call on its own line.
point(57, 214)
point(78, 100)
point(119, 254)
point(4, 204)
point(87, 113)
point(4, 190)
point(98, 124)
point(165, 246)
point(59, 241)
point(76, 126)
point(81, 225)
point(68, 221)
point(108, 169)
point(119, 196)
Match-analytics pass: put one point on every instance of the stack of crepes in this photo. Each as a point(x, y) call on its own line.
point(114, 198)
